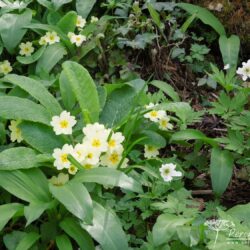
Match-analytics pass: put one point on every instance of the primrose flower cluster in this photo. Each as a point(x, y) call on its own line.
point(158, 116)
point(100, 146)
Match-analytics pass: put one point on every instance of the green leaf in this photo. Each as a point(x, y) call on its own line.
point(229, 48)
point(155, 16)
point(84, 7)
point(75, 197)
point(18, 158)
point(37, 90)
point(58, 3)
point(30, 184)
point(63, 242)
point(110, 177)
point(31, 59)
point(68, 22)
point(35, 210)
point(204, 15)
point(167, 89)
point(118, 105)
point(106, 229)
point(221, 168)
point(51, 56)
point(192, 134)
point(12, 107)
point(68, 97)
point(27, 241)
point(41, 137)
point(74, 230)
point(12, 28)
point(7, 211)
point(83, 87)
point(166, 226)
point(153, 139)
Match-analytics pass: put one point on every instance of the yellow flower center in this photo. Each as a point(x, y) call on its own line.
point(26, 49)
point(166, 171)
point(90, 155)
point(96, 143)
point(150, 148)
point(153, 113)
point(88, 166)
point(64, 124)
point(52, 38)
point(112, 143)
point(114, 158)
point(78, 39)
point(64, 158)
point(164, 123)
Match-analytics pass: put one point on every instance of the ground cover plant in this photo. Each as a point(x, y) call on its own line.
point(123, 125)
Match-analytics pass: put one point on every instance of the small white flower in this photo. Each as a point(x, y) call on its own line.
point(42, 40)
point(15, 134)
point(97, 142)
point(115, 141)
point(26, 49)
point(92, 129)
point(79, 152)
point(63, 124)
point(94, 19)
point(244, 71)
point(52, 37)
point(91, 156)
point(150, 151)
point(164, 123)
point(168, 172)
point(227, 66)
point(60, 180)
point(61, 156)
point(219, 7)
point(111, 159)
point(5, 67)
point(150, 105)
point(72, 169)
point(76, 39)
point(80, 22)
point(155, 115)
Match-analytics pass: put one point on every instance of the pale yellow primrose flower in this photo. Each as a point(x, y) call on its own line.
point(150, 151)
point(26, 49)
point(168, 172)
point(42, 40)
point(94, 19)
point(60, 180)
point(15, 134)
point(111, 159)
point(80, 22)
point(115, 141)
point(52, 37)
point(5, 67)
point(72, 169)
point(63, 123)
point(61, 156)
point(164, 123)
point(76, 39)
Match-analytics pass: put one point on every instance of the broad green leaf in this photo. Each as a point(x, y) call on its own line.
point(241, 212)
point(205, 16)
point(84, 7)
point(118, 105)
point(186, 24)
point(7, 211)
point(229, 48)
point(167, 89)
point(48, 4)
point(41, 137)
point(221, 169)
point(18, 158)
point(51, 56)
point(58, 3)
point(12, 28)
point(2, 133)
point(12, 239)
point(166, 226)
point(12, 107)
point(106, 229)
point(192, 134)
point(68, 22)
point(84, 89)
point(28, 241)
point(35, 210)
point(152, 138)
point(63, 242)
point(37, 90)
point(30, 185)
point(68, 97)
point(110, 177)
point(72, 227)
point(33, 58)
point(75, 197)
